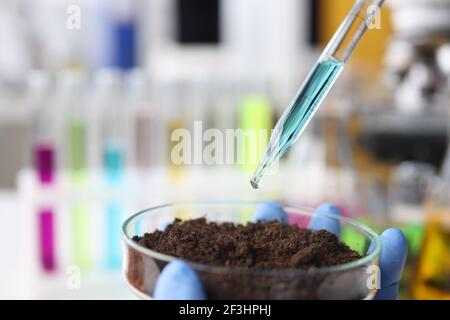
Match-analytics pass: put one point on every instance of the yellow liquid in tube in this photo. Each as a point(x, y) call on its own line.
point(176, 171)
point(432, 276)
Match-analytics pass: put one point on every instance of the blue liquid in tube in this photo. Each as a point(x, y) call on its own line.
point(114, 163)
point(114, 171)
point(300, 112)
point(114, 216)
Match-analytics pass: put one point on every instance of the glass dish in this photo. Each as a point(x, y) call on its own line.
point(354, 280)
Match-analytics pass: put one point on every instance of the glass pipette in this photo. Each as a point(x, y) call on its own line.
point(319, 82)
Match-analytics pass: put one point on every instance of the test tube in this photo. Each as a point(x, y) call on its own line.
point(125, 34)
point(44, 162)
point(114, 133)
point(114, 211)
point(47, 238)
point(174, 96)
point(44, 158)
point(38, 88)
point(114, 123)
point(143, 146)
point(199, 103)
point(143, 118)
point(72, 98)
point(220, 114)
point(114, 159)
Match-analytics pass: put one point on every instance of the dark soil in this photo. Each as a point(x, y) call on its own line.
point(263, 245)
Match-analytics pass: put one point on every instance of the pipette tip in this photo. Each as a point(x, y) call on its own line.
point(258, 175)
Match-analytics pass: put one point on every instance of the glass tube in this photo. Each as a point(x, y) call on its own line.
point(38, 89)
point(72, 99)
point(143, 119)
point(46, 237)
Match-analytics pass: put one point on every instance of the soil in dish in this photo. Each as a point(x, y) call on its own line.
point(263, 245)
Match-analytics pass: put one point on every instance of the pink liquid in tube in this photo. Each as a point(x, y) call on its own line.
point(47, 239)
point(44, 162)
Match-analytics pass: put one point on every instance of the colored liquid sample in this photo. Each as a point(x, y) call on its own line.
point(114, 171)
point(47, 239)
point(256, 121)
point(114, 163)
point(299, 113)
point(81, 245)
point(175, 169)
point(414, 233)
point(77, 147)
point(432, 277)
point(114, 216)
point(143, 138)
point(125, 44)
point(44, 162)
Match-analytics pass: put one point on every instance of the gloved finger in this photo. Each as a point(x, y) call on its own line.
point(178, 281)
point(269, 211)
point(388, 293)
point(394, 250)
point(321, 219)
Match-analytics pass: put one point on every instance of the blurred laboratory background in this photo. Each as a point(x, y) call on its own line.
point(92, 90)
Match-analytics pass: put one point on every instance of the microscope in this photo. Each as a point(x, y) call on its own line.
point(404, 143)
point(414, 126)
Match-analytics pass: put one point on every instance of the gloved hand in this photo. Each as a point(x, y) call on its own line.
point(179, 282)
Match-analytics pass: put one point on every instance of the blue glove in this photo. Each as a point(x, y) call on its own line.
point(179, 282)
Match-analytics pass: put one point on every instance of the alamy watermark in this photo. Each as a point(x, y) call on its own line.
point(73, 21)
point(373, 17)
point(373, 280)
point(73, 281)
point(218, 147)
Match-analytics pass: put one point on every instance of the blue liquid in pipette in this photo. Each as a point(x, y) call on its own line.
point(297, 116)
point(308, 101)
